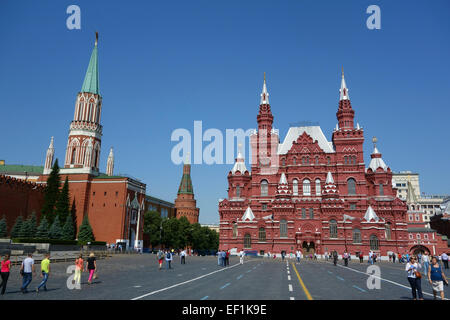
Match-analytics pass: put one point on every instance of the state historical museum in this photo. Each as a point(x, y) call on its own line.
point(311, 194)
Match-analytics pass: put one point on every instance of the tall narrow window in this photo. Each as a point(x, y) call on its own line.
point(306, 187)
point(381, 190)
point(373, 242)
point(72, 161)
point(294, 161)
point(247, 241)
point(235, 230)
point(356, 236)
point(283, 162)
point(316, 160)
point(387, 231)
point(264, 188)
point(295, 187)
point(345, 159)
point(238, 191)
point(311, 213)
point(283, 228)
point(303, 213)
point(351, 186)
point(333, 229)
point(318, 191)
point(328, 160)
point(262, 234)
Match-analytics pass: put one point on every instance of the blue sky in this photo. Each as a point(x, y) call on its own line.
point(165, 64)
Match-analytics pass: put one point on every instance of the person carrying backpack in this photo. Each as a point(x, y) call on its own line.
point(335, 257)
point(168, 260)
point(160, 257)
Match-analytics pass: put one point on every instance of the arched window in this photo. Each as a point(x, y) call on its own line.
point(295, 187)
point(387, 231)
point(381, 190)
point(311, 213)
point(318, 191)
point(346, 160)
point(247, 241)
point(303, 213)
point(306, 187)
point(283, 162)
point(351, 186)
point(238, 191)
point(264, 188)
point(72, 160)
point(235, 230)
point(373, 242)
point(307, 159)
point(328, 160)
point(283, 228)
point(294, 160)
point(333, 229)
point(317, 160)
point(262, 234)
point(356, 236)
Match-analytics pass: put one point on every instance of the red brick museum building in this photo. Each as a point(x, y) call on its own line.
point(311, 194)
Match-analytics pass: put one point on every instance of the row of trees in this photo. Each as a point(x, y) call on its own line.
point(178, 233)
point(57, 220)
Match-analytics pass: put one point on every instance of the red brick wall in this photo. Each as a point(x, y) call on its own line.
point(18, 197)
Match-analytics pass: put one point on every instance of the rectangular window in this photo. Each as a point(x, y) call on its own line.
point(303, 213)
point(311, 213)
point(264, 207)
point(352, 206)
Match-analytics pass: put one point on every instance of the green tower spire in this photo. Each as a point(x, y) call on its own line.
point(186, 182)
point(90, 83)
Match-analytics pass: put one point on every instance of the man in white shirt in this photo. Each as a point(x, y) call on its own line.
point(298, 256)
point(27, 270)
point(426, 261)
point(370, 257)
point(241, 257)
point(183, 257)
point(444, 258)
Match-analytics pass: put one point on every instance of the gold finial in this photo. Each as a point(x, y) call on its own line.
point(342, 71)
point(374, 140)
point(187, 157)
point(264, 77)
point(96, 37)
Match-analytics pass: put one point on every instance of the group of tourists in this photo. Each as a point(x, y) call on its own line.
point(27, 270)
point(432, 270)
point(223, 258)
point(167, 255)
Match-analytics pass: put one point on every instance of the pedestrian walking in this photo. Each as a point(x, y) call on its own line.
point(160, 257)
point(219, 258)
point(414, 277)
point(345, 258)
point(393, 257)
point(168, 260)
point(224, 256)
point(282, 255)
point(444, 258)
point(79, 268)
point(183, 257)
point(45, 272)
point(326, 256)
point(91, 266)
point(27, 270)
point(298, 256)
point(335, 257)
point(425, 262)
point(361, 257)
point(241, 257)
point(437, 278)
point(227, 258)
point(370, 257)
point(5, 270)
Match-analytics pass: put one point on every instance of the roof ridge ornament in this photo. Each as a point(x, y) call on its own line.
point(264, 93)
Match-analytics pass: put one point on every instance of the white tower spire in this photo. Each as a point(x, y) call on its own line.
point(264, 93)
point(344, 90)
point(110, 163)
point(49, 158)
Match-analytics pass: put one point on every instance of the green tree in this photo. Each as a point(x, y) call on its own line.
point(184, 232)
point(67, 230)
point(43, 229)
point(152, 224)
point(3, 227)
point(51, 193)
point(85, 233)
point(55, 231)
point(33, 224)
point(63, 203)
point(15, 231)
point(25, 229)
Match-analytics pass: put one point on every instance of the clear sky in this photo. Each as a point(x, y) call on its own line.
point(164, 64)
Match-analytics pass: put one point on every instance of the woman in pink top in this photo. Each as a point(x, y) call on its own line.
point(79, 267)
point(6, 268)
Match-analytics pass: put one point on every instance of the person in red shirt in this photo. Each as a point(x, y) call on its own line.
point(5, 269)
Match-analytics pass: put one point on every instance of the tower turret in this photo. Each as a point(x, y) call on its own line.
point(49, 158)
